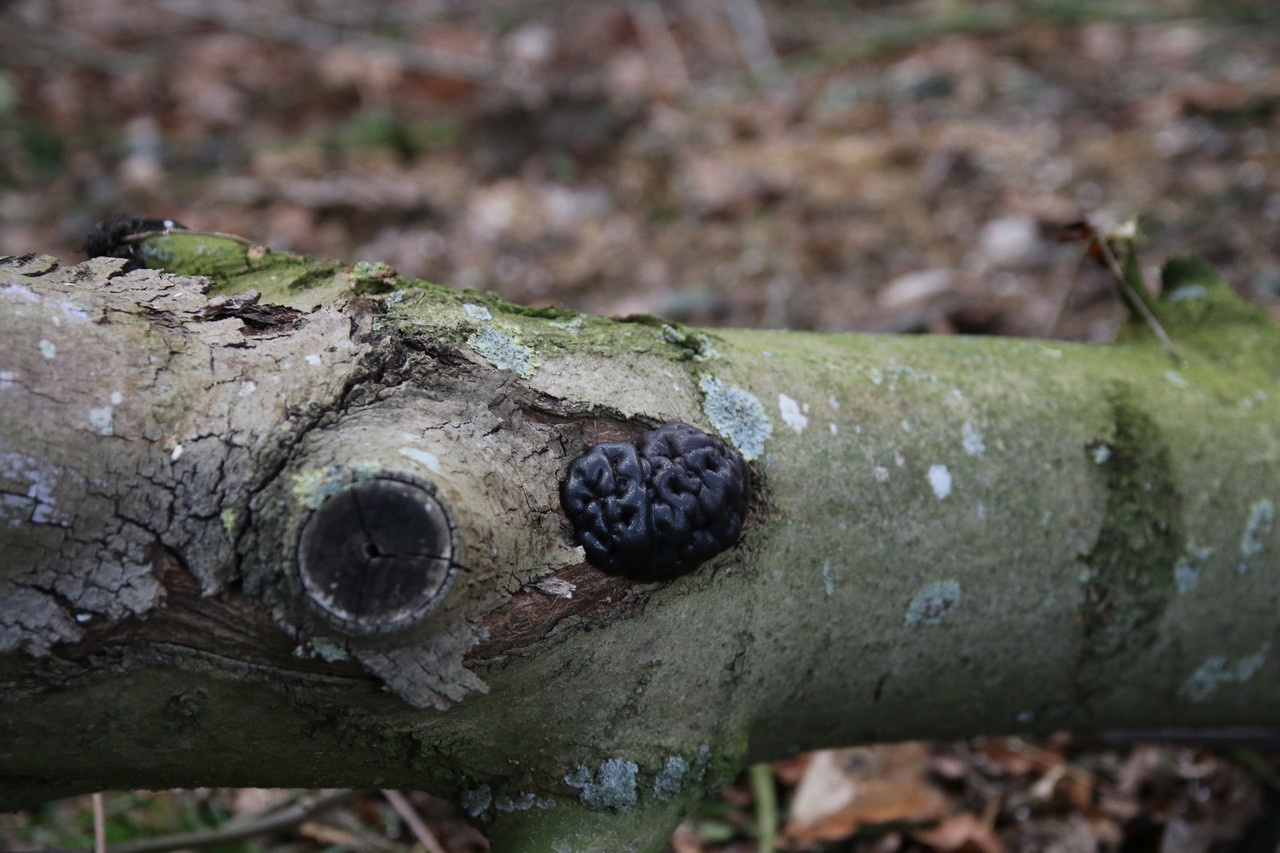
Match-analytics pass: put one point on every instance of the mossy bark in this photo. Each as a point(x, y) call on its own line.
point(947, 536)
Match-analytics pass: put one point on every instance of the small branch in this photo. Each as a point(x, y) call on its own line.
point(766, 798)
point(1131, 296)
point(99, 824)
point(410, 816)
point(229, 833)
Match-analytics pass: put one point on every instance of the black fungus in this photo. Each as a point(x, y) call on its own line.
point(658, 507)
point(111, 239)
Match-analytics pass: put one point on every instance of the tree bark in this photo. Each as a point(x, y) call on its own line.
point(946, 536)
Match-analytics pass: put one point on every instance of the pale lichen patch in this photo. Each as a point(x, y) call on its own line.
point(313, 486)
point(476, 801)
point(670, 779)
point(792, 414)
point(573, 326)
point(476, 312)
point(36, 503)
point(20, 291)
point(1185, 575)
point(373, 276)
point(737, 415)
point(74, 311)
point(522, 801)
point(47, 348)
point(230, 520)
point(423, 457)
point(505, 351)
point(932, 602)
point(101, 419)
point(695, 344)
point(612, 786)
point(1257, 527)
point(971, 439)
point(940, 480)
point(1219, 670)
point(322, 648)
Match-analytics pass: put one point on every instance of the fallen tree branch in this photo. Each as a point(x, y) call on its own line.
point(328, 545)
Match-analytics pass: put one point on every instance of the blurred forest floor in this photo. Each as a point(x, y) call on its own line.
point(807, 164)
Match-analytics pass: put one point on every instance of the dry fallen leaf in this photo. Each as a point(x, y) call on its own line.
point(962, 832)
point(844, 789)
point(1015, 757)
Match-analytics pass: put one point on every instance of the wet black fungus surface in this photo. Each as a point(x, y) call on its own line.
point(657, 507)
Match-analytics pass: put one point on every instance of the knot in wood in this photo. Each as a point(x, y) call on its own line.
point(658, 507)
point(377, 557)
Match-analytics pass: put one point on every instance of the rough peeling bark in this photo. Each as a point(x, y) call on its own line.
point(946, 536)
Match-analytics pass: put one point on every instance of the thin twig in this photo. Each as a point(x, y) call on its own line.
point(765, 795)
point(99, 824)
point(279, 821)
point(410, 816)
point(1132, 298)
point(192, 232)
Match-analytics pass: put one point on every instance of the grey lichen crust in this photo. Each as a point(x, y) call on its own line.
point(611, 786)
point(78, 547)
point(505, 351)
point(737, 415)
point(153, 445)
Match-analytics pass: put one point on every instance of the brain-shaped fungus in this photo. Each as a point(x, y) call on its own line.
point(658, 507)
